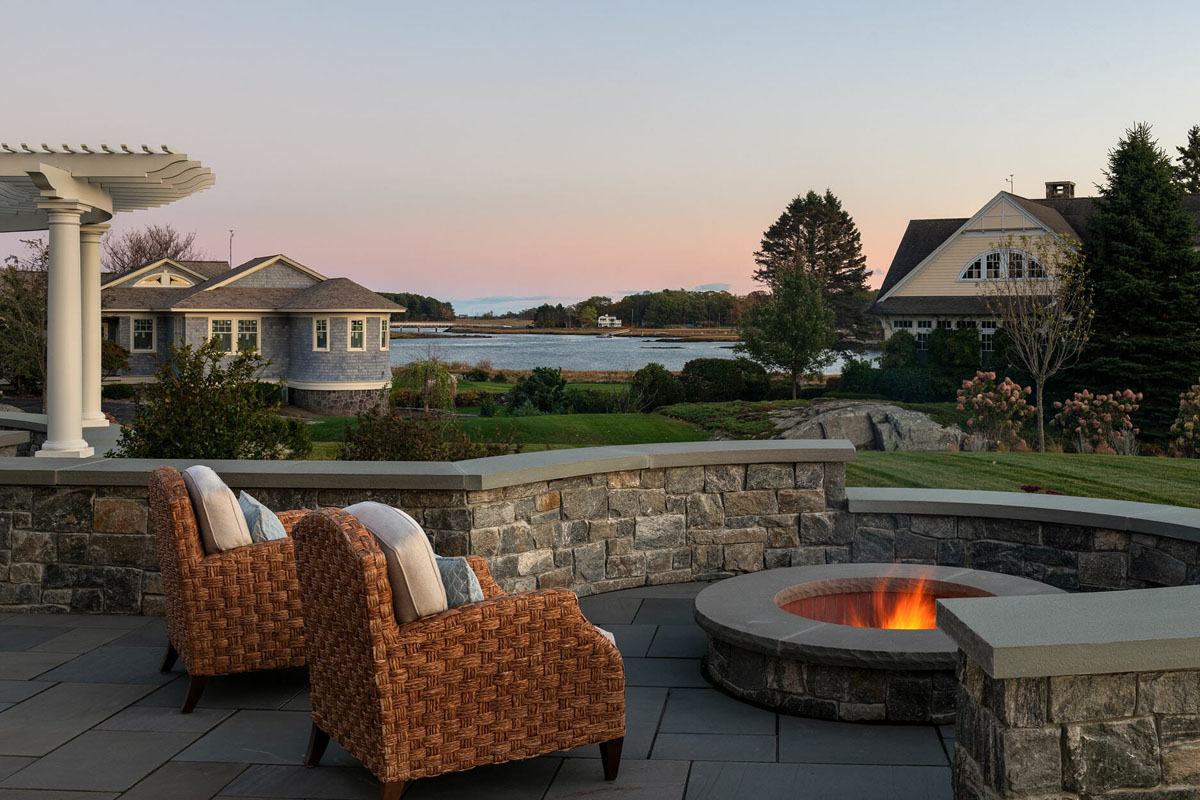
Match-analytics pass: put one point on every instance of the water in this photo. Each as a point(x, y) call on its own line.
point(529, 350)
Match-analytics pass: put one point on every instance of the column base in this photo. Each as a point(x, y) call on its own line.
point(98, 421)
point(80, 449)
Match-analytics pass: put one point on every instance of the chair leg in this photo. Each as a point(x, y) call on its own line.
point(610, 755)
point(169, 658)
point(318, 740)
point(392, 790)
point(196, 685)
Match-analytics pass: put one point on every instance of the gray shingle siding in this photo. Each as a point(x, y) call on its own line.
point(276, 276)
point(339, 363)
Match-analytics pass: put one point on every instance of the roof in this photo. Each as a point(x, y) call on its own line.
point(221, 293)
point(921, 238)
point(939, 304)
point(1047, 215)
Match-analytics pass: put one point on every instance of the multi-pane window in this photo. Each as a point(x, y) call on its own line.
point(986, 339)
point(994, 269)
point(902, 324)
point(385, 335)
point(945, 323)
point(358, 330)
point(247, 334)
point(320, 334)
point(998, 265)
point(143, 335)
point(222, 331)
point(966, 323)
point(924, 326)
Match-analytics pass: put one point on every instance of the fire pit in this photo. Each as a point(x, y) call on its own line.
point(854, 642)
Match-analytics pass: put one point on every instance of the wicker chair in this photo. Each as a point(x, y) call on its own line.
point(506, 678)
point(236, 611)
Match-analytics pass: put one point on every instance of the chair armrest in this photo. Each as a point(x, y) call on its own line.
point(275, 557)
point(290, 518)
point(486, 581)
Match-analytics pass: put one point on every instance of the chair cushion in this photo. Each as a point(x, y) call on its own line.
point(417, 589)
point(460, 581)
point(262, 522)
point(220, 518)
point(607, 635)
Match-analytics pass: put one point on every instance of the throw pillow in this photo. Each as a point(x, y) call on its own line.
point(460, 581)
point(218, 515)
point(262, 522)
point(416, 583)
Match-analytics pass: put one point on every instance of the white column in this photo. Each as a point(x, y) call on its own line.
point(89, 273)
point(64, 333)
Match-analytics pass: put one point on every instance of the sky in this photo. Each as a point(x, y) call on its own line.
point(504, 153)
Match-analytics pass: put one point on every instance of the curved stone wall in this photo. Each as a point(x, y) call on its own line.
point(74, 536)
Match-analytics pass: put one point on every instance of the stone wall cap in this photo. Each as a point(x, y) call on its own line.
point(1138, 630)
point(765, 451)
point(275, 474)
point(9, 438)
point(1121, 515)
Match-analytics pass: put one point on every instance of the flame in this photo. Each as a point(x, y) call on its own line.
point(906, 609)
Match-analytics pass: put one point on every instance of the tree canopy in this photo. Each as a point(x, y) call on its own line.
point(792, 330)
point(816, 235)
point(133, 248)
point(1187, 172)
point(421, 308)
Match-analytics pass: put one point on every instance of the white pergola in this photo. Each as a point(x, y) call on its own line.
point(73, 193)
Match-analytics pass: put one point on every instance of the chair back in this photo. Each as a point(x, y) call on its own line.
point(177, 539)
point(349, 629)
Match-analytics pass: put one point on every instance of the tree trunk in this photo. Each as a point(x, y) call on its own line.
point(795, 382)
point(1041, 419)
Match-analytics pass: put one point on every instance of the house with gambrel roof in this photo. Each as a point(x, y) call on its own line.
point(328, 339)
point(940, 267)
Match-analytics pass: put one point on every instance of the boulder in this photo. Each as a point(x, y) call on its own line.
point(868, 426)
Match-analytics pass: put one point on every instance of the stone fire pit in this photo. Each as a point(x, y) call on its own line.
point(800, 662)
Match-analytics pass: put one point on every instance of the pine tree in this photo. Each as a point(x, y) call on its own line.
point(1143, 273)
point(1187, 174)
point(815, 234)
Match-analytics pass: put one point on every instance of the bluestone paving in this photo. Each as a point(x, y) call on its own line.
point(26, 665)
point(185, 780)
point(24, 637)
point(104, 760)
point(247, 738)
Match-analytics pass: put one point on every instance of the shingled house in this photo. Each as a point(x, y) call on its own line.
point(327, 338)
point(936, 276)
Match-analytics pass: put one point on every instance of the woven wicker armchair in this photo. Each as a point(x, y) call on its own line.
point(236, 611)
point(506, 678)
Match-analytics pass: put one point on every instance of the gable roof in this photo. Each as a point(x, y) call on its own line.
point(254, 265)
point(339, 294)
point(209, 269)
point(149, 266)
point(921, 237)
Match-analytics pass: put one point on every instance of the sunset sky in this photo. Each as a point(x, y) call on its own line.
point(527, 150)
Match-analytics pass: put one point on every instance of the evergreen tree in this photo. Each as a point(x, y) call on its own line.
point(1187, 174)
point(792, 329)
point(1143, 273)
point(815, 234)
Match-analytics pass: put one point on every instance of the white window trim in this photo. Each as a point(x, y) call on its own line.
point(349, 325)
point(233, 330)
point(982, 259)
point(153, 335)
point(324, 349)
point(385, 334)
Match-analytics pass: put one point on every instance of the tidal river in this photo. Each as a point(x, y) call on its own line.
point(529, 350)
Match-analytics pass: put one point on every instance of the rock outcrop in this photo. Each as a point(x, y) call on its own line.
point(869, 426)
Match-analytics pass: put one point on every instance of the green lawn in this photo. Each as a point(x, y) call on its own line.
point(584, 430)
point(488, 386)
point(1173, 481)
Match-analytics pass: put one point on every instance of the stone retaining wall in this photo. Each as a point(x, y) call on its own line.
point(1119, 736)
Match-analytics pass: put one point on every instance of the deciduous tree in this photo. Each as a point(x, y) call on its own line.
point(23, 317)
point(133, 248)
point(792, 330)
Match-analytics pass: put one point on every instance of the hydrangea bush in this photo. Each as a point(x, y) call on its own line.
point(1186, 429)
point(998, 410)
point(1100, 423)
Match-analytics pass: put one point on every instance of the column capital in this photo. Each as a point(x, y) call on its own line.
point(63, 209)
point(93, 231)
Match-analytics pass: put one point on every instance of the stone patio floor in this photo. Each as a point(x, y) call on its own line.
point(85, 715)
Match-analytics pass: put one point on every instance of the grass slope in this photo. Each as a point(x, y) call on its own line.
point(583, 430)
point(1152, 480)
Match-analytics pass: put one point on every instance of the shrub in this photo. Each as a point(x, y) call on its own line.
point(953, 357)
point(206, 404)
point(858, 376)
point(118, 391)
point(113, 358)
point(1100, 423)
point(1186, 428)
point(268, 392)
point(998, 410)
point(465, 399)
point(488, 406)
point(595, 401)
point(478, 374)
point(499, 377)
point(525, 409)
point(380, 435)
point(720, 380)
point(653, 387)
point(544, 389)
point(431, 380)
point(899, 351)
point(906, 385)
point(403, 398)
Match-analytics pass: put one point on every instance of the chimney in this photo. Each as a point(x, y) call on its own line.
point(1056, 189)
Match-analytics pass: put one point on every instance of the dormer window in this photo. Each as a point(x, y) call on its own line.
point(1000, 265)
point(164, 278)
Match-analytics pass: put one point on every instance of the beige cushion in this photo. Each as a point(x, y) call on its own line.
point(417, 589)
point(607, 635)
point(222, 523)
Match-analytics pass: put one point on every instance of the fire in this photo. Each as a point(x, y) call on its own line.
point(906, 609)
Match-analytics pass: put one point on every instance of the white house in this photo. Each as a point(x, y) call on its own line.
point(607, 321)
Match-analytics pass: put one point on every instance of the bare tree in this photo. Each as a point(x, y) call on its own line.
point(133, 248)
point(23, 317)
point(1041, 303)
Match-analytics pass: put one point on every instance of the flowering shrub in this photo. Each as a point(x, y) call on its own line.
point(1100, 423)
point(997, 411)
point(1186, 429)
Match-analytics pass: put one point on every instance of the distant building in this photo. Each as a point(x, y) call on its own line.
point(607, 321)
point(327, 338)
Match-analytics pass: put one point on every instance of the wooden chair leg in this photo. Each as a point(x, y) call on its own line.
point(392, 790)
point(318, 740)
point(610, 755)
point(196, 685)
point(169, 658)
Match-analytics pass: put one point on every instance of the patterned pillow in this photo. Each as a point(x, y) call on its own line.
point(262, 522)
point(461, 582)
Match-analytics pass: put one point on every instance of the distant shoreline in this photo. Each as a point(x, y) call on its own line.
point(658, 334)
